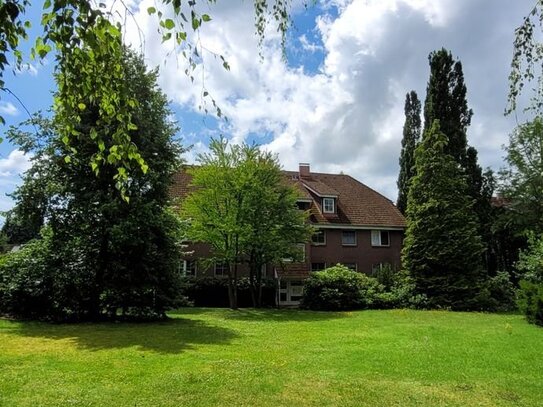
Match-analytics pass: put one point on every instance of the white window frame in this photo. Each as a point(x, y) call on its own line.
point(377, 240)
point(323, 243)
point(333, 201)
point(222, 266)
point(184, 267)
point(348, 244)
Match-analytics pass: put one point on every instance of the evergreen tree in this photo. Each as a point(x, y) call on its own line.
point(446, 102)
point(411, 136)
point(442, 247)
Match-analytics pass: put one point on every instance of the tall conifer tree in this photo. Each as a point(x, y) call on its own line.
point(446, 101)
point(442, 248)
point(411, 136)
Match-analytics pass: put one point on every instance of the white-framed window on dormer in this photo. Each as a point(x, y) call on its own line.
point(328, 205)
point(380, 238)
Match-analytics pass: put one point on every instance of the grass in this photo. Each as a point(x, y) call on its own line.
point(214, 357)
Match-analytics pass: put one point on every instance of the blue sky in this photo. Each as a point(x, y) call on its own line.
point(337, 100)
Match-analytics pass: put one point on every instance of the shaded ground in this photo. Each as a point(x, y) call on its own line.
point(212, 357)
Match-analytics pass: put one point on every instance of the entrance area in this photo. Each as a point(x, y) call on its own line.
point(290, 292)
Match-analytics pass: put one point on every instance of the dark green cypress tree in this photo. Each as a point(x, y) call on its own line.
point(411, 136)
point(446, 101)
point(442, 248)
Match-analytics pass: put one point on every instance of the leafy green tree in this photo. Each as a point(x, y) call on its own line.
point(522, 178)
point(242, 207)
point(86, 38)
point(411, 136)
point(126, 254)
point(442, 250)
point(526, 67)
point(275, 225)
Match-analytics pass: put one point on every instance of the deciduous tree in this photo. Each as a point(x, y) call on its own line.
point(122, 256)
point(522, 178)
point(244, 209)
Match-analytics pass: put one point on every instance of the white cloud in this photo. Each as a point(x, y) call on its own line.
point(349, 115)
point(16, 163)
point(8, 109)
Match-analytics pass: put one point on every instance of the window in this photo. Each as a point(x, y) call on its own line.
point(318, 238)
point(221, 269)
point(328, 205)
point(348, 238)
point(318, 266)
point(188, 267)
point(380, 238)
point(350, 266)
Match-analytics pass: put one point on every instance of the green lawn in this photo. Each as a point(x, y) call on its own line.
point(212, 357)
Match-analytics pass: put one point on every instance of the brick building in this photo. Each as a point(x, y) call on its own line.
point(354, 225)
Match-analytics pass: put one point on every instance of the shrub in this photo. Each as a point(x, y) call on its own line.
point(338, 288)
point(530, 301)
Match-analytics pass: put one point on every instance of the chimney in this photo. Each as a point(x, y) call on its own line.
point(304, 170)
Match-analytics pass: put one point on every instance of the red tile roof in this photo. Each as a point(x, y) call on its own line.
point(357, 204)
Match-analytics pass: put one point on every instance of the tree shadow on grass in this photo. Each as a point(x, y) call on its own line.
point(266, 314)
point(167, 337)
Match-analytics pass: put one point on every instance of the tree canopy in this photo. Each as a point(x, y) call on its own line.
point(244, 209)
point(102, 255)
point(522, 178)
point(87, 37)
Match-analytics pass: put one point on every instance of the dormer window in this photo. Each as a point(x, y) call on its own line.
point(328, 205)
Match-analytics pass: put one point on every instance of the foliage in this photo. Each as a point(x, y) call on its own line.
point(526, 61)
point(446, 101)
point(338, 288)
point(45, 281)
point(12, 31)
point(126, 254)
point(442, 250)
point(530, 264)
point(522, 179)
point(88, 43)
point(530, 301)
point(411, 136)
point(242, 207)
point(213, 292)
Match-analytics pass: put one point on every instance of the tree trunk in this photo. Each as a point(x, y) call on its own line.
point(233, 286)
point(259, 287)
point(252, 285)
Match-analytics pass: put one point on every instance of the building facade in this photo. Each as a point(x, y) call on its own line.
point(354, 226)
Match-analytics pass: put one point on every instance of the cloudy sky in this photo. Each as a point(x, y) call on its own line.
point(337, 100)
